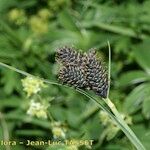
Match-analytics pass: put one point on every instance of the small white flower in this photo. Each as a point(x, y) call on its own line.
point(17, 16)
point(105, 119)
point(58, 133)
point(58, 130)
point(37, 109)
point(32, 85)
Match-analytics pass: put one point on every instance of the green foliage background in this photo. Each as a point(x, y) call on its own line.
point(29, 42)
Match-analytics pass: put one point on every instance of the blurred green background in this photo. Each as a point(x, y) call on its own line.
point(30, 33)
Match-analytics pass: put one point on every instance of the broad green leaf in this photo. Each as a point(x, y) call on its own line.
point(142, 55)
point(92, 131)
point(136, 98)
point(7, 53)
point(146, 107)
point(6, 4)
point(132, 77)
point(67, 21)
point(143, 134)
point(26, 4)
point(10, 81)
point(23, 118)
point(27, 132)
point(10, 102)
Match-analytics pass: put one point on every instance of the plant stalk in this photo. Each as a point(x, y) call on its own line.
point(116, 118)
point(132, 136)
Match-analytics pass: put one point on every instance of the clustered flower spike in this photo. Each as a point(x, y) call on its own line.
point(69, 56)
point(58, 130)
point(82, 70)
point(32, 85)
point(37, 109)
point(73, 75)
point(97, 77)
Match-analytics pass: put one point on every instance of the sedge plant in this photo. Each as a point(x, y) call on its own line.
point(109, 108)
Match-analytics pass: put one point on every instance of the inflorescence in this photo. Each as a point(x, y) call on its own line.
point(82, 70)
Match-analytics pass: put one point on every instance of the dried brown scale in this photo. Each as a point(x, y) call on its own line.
point(83, 70)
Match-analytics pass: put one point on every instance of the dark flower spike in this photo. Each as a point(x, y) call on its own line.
point(73, 76)
point(67, 55)
point(83, 70)
point(97, 77)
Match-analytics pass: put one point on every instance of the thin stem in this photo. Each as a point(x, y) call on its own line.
point(134, 139)
point(28, 74)
point(109, 69)
point(116, 118)
point(117, 114)
point(50, 116)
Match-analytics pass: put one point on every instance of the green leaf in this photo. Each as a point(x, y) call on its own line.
point(10, 81)
point(10, 102)
point(6, 4)
point(9, 53)
point(20, 117)
point(66, 20)
point(143, 133)
point(114, 29)
point(27, 132)
point(136, 97)
point(132, 77)
point(57, 147)
point(146, 107)
point(141, 54)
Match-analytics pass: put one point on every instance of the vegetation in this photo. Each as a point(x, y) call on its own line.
point(32, 109)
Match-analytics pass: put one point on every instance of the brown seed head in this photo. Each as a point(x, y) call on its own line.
point(83, 70)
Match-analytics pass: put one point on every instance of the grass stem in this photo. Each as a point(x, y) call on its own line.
point(114, 115)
